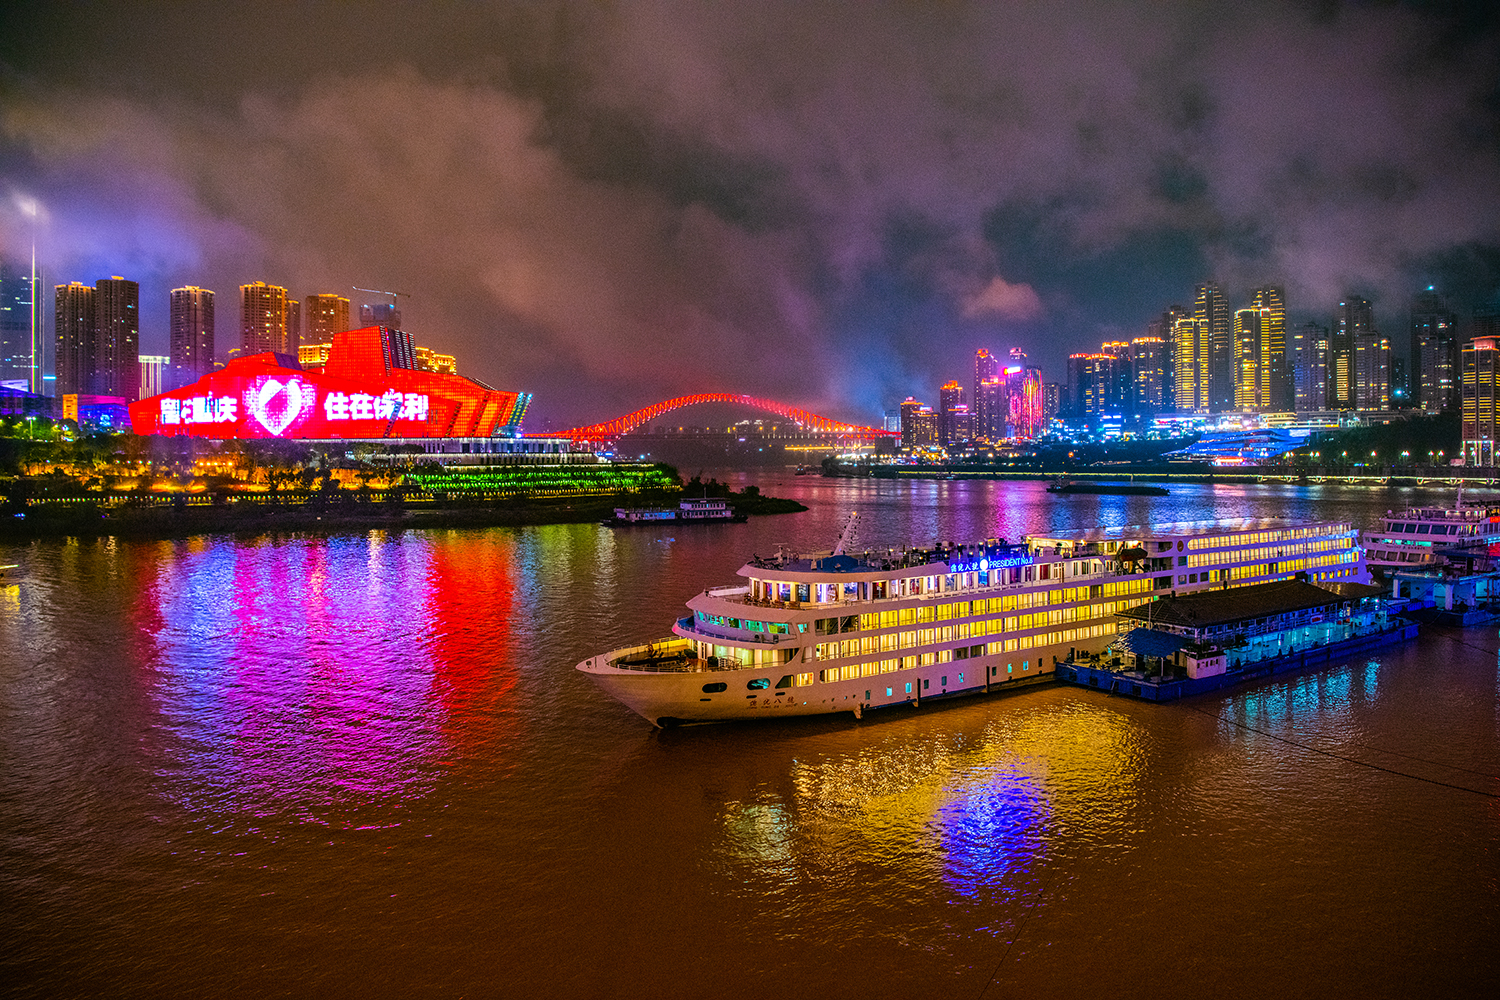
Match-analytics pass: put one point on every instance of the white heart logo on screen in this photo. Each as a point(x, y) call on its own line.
point(276, 404)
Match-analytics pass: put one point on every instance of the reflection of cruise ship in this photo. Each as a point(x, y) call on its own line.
point(1423, 537)
point(842, 632)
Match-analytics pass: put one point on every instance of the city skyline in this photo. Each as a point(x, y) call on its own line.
point(602, 219)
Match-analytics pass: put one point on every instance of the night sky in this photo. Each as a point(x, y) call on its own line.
point(830, 204)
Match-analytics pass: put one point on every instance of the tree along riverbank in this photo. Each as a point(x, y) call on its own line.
point(328, 511)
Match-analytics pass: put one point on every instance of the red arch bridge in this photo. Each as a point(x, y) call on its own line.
point(612, 429)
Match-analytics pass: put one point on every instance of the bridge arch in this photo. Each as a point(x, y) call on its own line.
point(611, 429)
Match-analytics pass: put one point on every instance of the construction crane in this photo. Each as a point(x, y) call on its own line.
point(381, 291)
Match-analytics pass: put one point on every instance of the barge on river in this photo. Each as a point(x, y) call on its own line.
point(846, 632)
point(1196, 643)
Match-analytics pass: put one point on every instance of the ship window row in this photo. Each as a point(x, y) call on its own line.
point(1433, 529)
point(737, 658)
point(1266, 537)
point(1224, 556)
point(1025, 600)
point(894, 641)
point(779, 592)
point(871, 668)
point(751, 625)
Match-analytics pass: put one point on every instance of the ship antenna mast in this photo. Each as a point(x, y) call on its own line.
point(849, 535)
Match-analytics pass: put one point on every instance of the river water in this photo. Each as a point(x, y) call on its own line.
point(307, 765)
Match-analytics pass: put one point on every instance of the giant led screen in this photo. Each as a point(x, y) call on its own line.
point(269, 396)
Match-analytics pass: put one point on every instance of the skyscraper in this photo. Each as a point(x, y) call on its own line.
point(1165, 327)
point(1372, 372)
point(1119, 394)
point(1148, 358)
point(910, 407)
point(950, 398)
point(1023, 391)
point(1276, 393)
point(1190, 341)
point(1434, 366)
point(326, 315)
point(986, 366)
point(1247, 337)
point(293, 325)
point(1309, 367)
point(75, 316)
point(1091, 380)
point(1211, 309)
point(118, 328)
point(191, 347)
point(1481, 367)
point(263, 318)
point(990, 410)
point(1353, 317)
point(20, 326)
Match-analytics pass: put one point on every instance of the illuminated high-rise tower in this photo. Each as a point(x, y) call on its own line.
point(950, 398)
point(1434, 371)
point(1190, 349)
point(191, 346)
point(1372, 372)
point(1023, 393)
point(1148, 363)
point(1354, 317)
point(990, 410)
point(263, 320)
point(76, 318)
point(1276, 393)
point(326, 315)
point(1247, 338)
point(1165, 328)
point(1481, 400)
point(20, 326)
point(986, 366)
point(1308, 361)
point(117, 371)
point(1211, 309)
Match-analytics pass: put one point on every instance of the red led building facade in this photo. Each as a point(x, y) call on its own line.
point(369, 388)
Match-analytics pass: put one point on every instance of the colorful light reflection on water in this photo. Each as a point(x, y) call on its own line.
point(285, 765)
point(317, 677)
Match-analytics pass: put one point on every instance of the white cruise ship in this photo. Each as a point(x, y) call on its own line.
point(1428, 537)
point(845, 632)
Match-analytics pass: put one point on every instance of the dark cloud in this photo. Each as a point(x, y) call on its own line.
point(610, 203)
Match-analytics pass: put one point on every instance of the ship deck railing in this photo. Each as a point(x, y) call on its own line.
point(734, 635)
point(683, 661)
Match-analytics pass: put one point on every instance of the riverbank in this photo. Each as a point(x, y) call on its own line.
point(326, 511)
point(1445, 478)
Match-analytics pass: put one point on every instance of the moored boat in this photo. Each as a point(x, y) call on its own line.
point(699, 510)
point(845, 631)
point(1433, 536)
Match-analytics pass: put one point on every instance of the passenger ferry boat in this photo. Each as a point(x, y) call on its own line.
point(1428, 537)
point(694, 511)
point(840, 632)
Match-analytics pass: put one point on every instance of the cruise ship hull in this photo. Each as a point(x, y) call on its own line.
point(678, 698)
